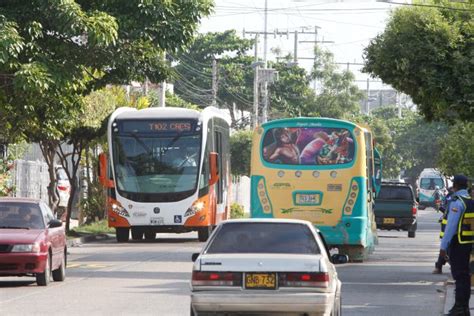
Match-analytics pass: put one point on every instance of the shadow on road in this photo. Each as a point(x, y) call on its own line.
point(16, 283)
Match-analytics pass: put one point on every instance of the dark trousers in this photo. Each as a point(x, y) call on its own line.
point(441, 262)
point(459, 255)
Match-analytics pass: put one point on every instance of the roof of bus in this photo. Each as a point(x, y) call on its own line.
point(312, 119)
point(170, 112)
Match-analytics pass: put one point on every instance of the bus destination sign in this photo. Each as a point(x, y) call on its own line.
point(156, 126)
point(170, 126)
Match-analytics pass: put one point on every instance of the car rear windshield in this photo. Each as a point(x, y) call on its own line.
point(20, 216)
point(395, 193)
point(264, 238)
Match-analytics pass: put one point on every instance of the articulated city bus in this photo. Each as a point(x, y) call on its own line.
point(169, 171)
point(322, 170)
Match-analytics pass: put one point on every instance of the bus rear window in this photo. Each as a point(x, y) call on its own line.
point(308, 146)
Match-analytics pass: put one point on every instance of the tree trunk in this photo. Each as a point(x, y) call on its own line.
point(48, 149)
point(75, 156)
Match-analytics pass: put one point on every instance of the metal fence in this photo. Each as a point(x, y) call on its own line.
point(31, 179)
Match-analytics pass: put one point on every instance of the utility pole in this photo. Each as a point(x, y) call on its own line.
point(265, 84)
point(368, 94)
point(214, 81)
point(399, 104)
point(162, 90)
point(255, 87)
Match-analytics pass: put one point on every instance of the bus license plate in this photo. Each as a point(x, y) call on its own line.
point(389, 220)
point(157, 221)
point(260, 281)
point(310, 199)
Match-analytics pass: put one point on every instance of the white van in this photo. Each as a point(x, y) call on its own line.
point(427, 182)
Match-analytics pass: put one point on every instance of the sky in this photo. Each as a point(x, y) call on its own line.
point(348, 24)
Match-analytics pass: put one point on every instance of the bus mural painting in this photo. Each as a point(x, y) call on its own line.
point(169, 171)
point(323, 170)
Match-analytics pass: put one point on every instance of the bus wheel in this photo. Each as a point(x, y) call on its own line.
point(204, 233)
point(150, 235)
point(122, 234)
point(137, 234)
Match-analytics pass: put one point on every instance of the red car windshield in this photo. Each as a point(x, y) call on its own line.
point(20, 216)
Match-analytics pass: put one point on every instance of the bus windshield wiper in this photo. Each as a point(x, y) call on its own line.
point(13, 227)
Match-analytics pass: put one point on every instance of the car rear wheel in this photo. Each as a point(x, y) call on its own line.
point(192, 313)
point(411, 234)
point(122, 234)
point(43, 279)
point(60, 273)
point(204, 233)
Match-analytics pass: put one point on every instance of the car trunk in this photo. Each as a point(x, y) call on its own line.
point(260, 262)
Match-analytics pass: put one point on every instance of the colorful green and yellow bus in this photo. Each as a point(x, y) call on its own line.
point(322, 170)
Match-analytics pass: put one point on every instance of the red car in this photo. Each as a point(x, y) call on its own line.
point(32, 241)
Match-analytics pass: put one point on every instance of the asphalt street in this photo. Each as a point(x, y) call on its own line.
point(152, 278)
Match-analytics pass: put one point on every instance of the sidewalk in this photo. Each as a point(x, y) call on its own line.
point(449, 301)
point(76, 242)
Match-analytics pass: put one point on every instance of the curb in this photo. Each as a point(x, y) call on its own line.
point(76, 242)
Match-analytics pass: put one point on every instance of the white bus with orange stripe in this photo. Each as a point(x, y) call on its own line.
point(169, 171)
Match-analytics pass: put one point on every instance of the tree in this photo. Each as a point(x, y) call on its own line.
point(408, 144)
point(426, 52)
point(240, 152)
point(457, 150)
point(54, 52)
point(339, 96)
point(290, 95)
point(193, 73)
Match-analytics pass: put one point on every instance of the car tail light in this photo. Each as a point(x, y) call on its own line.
point(216, 279)
point(414, 209)
point(298, 279)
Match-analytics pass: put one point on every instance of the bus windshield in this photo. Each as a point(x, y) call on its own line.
point(308, 146)
point(431, 183)
point(156, 167)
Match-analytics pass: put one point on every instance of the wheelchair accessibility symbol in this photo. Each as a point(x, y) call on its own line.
point(177, 219)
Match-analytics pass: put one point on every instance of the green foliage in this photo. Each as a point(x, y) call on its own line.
point(193, 73)
point(99, 227)
point(407, 144)
point(93, 206)
point(240, 149)
point(339, 96)
point(427, 53)
point(6, 186)
point(237, 211)
point(457, 153)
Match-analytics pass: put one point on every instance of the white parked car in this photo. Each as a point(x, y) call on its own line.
point(265, 266)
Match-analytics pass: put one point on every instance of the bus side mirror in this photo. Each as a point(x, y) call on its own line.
point(103, 177)
point(213, 167)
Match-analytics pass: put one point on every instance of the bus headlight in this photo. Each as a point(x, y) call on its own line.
point(120, 210)
point(195, 208)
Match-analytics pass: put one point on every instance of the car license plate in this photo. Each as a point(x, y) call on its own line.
point(260, 281)
point(309, 199)
point(157, 221)
point(389, 220)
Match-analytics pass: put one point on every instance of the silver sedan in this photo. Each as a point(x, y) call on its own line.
point(265, 266)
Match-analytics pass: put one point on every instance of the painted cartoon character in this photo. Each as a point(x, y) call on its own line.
point(283, 150)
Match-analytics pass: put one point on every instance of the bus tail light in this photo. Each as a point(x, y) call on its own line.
point(298, 279)
point(216, 278)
